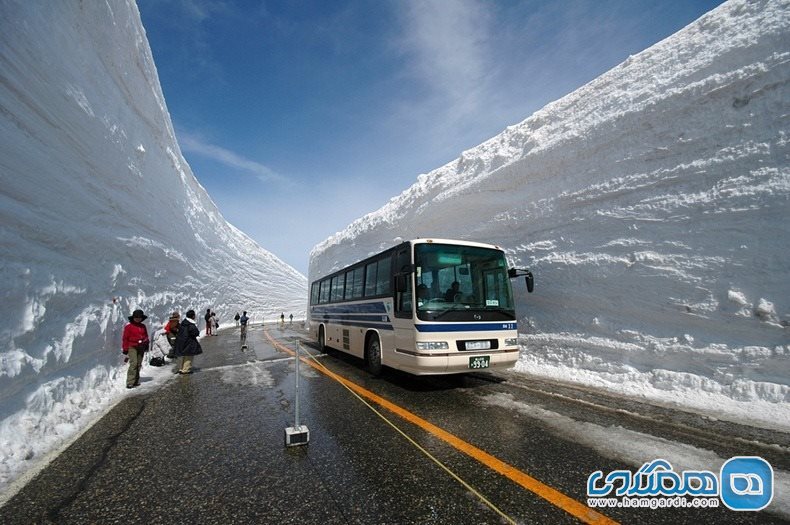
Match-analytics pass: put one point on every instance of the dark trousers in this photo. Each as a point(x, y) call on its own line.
point(135, 363)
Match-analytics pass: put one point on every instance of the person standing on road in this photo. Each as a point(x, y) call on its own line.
point(243, 321)
point(171, 332)
point(135, 344)
point(237, 318)
point(207, 317)
point(282, 318)
point(187, 345)
point(291, 319)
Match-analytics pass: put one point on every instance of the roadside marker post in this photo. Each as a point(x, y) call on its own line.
point(297, 434)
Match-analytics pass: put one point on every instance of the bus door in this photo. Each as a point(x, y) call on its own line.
point(403, 323)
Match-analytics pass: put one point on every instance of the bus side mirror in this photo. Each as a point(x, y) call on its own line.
point(518, 272)
point(530, 282)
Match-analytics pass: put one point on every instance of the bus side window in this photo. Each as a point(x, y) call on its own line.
point(338, 286)
point(384, 279)
point(324, 293)
point(354, 283)
point(314, 293)
point(370, 279)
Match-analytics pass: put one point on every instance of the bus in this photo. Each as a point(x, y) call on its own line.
point(426, 306)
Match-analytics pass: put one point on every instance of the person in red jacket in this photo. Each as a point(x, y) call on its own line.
point(135, 344)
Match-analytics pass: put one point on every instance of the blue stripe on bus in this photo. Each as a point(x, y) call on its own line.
point(357, 324)
point(365, 315)
point(369, 315)
point(361, 318)
point(449, 327)
point(365, 308)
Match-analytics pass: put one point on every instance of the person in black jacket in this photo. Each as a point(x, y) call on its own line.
point(207, 317)
point(187, 345)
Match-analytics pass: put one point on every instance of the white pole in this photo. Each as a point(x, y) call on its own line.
point(297, 434)
point(296, 423)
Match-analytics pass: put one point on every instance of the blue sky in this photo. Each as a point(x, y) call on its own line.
point(299, 116)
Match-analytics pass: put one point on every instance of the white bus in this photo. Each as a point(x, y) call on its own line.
point(426, 306)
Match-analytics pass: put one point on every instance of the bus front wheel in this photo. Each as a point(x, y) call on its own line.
point(373, 356)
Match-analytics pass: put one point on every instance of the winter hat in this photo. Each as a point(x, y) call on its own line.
point(138, 313)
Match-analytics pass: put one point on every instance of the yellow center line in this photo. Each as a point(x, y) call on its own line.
point(550, 494)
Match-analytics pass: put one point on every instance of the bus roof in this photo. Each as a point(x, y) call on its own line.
point(423, 240)
point(454, 241)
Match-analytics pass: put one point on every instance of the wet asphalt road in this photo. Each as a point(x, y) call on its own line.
point(209, 448)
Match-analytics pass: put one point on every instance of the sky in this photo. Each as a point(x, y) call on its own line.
point(327, 109)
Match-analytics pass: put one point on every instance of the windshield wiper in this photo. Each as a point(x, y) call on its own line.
point(445, 312)
point(501, 309)
point(479, 309)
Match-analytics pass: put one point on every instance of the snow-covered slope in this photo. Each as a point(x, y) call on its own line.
point(653, 206)
point(100, 214)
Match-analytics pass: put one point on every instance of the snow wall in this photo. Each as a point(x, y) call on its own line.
point(653, 206)
point(100, 215)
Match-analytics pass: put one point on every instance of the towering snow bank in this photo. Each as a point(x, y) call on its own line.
point(100, 214)
point(652, 205)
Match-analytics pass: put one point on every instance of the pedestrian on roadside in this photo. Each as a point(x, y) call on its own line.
point(159, 348)
point(187, 345)
point(237, 319)
point(171, 332)
point(215, 321)
point(243, 320)
point(134, 345)
point(207, 317)
point(282, 318)
point(291, 319)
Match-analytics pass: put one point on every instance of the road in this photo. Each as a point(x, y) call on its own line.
point(486, 448)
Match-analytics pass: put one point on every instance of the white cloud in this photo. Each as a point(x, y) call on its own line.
point(197, 146)
point(448, 43)
point(200, 10)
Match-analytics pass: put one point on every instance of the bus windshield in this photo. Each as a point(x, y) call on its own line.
point(462, 283)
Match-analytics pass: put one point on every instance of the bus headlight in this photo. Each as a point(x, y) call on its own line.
point(433, 345)
point(511, 341)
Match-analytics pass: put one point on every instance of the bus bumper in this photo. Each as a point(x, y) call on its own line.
point(456, 362)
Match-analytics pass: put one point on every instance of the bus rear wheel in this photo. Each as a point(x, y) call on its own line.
point(373, 356)
point(321, 339)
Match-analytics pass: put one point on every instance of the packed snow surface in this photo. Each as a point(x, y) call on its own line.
point(653, 206)
point(101, 215)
